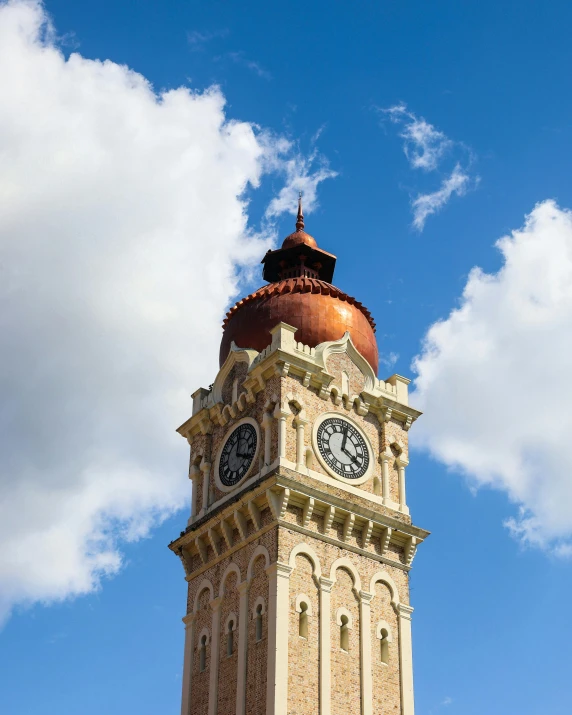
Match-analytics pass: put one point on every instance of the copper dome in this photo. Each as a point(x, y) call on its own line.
point(319, 310)
point(300, 293)
point(298, 237)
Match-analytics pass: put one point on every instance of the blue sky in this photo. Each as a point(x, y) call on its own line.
point(121, 251)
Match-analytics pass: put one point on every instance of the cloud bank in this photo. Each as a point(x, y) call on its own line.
point(492, 379)
point(426, 148)
point(123, 223)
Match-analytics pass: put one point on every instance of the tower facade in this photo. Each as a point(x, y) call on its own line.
point(299, 544)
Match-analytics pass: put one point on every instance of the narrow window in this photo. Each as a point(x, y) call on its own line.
point(230, 639)
point(258, 627)
point(303, 621)
point(203, 654)
point(344, 634)
point(384, 646)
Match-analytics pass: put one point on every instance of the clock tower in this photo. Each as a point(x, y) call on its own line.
point(299, 544)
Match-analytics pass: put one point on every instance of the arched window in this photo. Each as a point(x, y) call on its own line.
point(383, 633)
point(230, 638)
point(384, 646)
point(258, 622)
point(344, 633)
point(344, 621)
point(203, 654)
point(303, 620)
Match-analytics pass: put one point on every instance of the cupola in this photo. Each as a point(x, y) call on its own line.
point(300, 293)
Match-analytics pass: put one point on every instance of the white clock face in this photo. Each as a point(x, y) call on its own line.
point(343, 447)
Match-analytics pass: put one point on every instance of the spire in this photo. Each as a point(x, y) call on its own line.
point(300, 218)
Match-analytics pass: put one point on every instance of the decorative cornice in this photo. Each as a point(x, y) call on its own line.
point(286, 357)
point(278, 493)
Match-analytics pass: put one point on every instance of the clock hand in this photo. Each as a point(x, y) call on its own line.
point(345, 439)
point(350, 455)
point(238, 452)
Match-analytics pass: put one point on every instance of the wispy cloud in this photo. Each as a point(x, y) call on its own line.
point(443, 704)
point(197, 39)
point(239, 59)
point(424, 145)
point(427, 148)
point(426, 204)
point(388, 359)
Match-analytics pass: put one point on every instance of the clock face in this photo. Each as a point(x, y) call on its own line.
point(343, 448)
point(237, 454)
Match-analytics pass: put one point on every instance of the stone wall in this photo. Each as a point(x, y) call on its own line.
point(303, 655)
point(257, 656)
point(303, 651)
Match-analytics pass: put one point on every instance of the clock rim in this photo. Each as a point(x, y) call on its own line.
point(236, 425)
point(325, 465)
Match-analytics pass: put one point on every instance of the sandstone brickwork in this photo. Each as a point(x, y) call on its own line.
point(301, 577)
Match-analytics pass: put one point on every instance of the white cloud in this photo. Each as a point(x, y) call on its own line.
point(493, 380)
point(122, 220)
point(426, 204)
point(301, 174)
point(424, 145)
point(426, 148)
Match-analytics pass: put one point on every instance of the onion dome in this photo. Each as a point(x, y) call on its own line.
point(299, 293)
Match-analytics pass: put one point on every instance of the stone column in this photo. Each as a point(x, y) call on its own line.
point(405, 659)
point(194, 474)
point(325, 645)
point(215, 648)
point(402, 462)
point(300, 456)
point(366, 676)
point(205, 469)
point(278, 616)
point(282, 416)
point(267, 422)
point(189, 621)
point(385, 493)
point(242, 648)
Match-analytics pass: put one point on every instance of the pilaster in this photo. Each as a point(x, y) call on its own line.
point(278, 613)
point(189, 622)
point(406, 658)
point(215, 657)
point(242, 648)
point(365, 652)
point(325, 645)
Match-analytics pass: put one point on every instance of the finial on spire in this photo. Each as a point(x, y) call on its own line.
point(300, 218)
